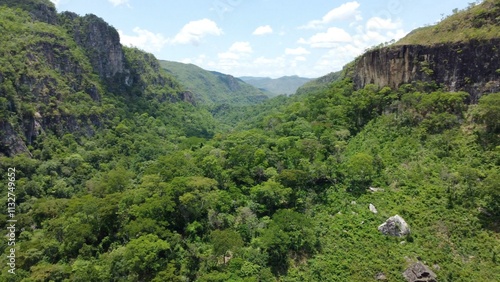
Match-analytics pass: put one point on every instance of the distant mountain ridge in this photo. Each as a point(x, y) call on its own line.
point(284, 85)
point(211, 87)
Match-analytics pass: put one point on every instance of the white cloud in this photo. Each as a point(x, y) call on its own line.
point(345, 11)
point(337, 57)
point(300, 59)
point(143, 39)
point(379, 30)
point(297, 51)
point(328, 39)
point(261, 30)
point(228, 56)
point(194, 31)
point(56, 2)
point(377, 23)
point(118, 2)
point(236, 51)
point(241, 47)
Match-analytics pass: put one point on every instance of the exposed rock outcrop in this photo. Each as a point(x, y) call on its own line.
point(381, 276)
point(419, 272)
point(100, 41)
point(40, 10)
point(10, 142)
point(372, 208)
point(470, 66)
point(395, 226)
point(74, 57)
point(373, 189)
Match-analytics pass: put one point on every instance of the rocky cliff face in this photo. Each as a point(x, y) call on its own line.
point(472, 66)
point(100, 41)
point(58, 69)
point(40, 10)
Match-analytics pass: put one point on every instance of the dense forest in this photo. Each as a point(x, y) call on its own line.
point(121, 174)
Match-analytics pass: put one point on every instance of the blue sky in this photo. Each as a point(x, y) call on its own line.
point(262, 37)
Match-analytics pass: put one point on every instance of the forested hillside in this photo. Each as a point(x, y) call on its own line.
point(212, 88)
point(285, 85)
point(121, 176)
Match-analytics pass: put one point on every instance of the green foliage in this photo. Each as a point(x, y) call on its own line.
point(488, 112)
point(491, 189)
point(141, 185)
point(478, 22)
point(140, 259)
point(270, 196)
point(288, 232)
point(360, 170)
point(213, 88)
point(225, 241)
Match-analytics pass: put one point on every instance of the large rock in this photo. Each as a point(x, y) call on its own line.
point(381, 276)
point(419, 272)
point(395, 226)
point(100, 40)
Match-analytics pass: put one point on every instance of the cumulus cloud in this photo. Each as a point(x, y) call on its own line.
point(373, 32)
point(300, 51)
point(118, 2)
point(56, 2)
point(143, 39)
point(261, 30)
point(327, 39)
point(335, 58)
point(382, 30)
point(236, 51)
point(377, 23)
point(228, 56)
point(345, 11)
point(194, 31)
point(241, 47)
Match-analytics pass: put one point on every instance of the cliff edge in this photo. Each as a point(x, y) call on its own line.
point(461, 53)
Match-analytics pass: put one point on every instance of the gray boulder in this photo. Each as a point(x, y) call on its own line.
point(372, 208)
point(418, 272)
point(395, 226)
point(381, 276)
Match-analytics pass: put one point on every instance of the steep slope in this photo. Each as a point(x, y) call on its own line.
point(460, 53)
point(213, 87)
point(286, 85)
point(64, 73)
point(152, 193)
point(479, 22)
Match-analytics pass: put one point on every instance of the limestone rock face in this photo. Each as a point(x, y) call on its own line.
point(10, 143)
point(468, 66)
point(40, 10)
point(419, 272)
point(395, 226)
point(100, 41)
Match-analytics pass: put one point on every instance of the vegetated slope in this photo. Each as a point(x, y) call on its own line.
point(286, 85)
point(213, 87)
point(459, 53)
point(284, 199)
point(320, 83)
point(478, 22)
point(69, 74)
